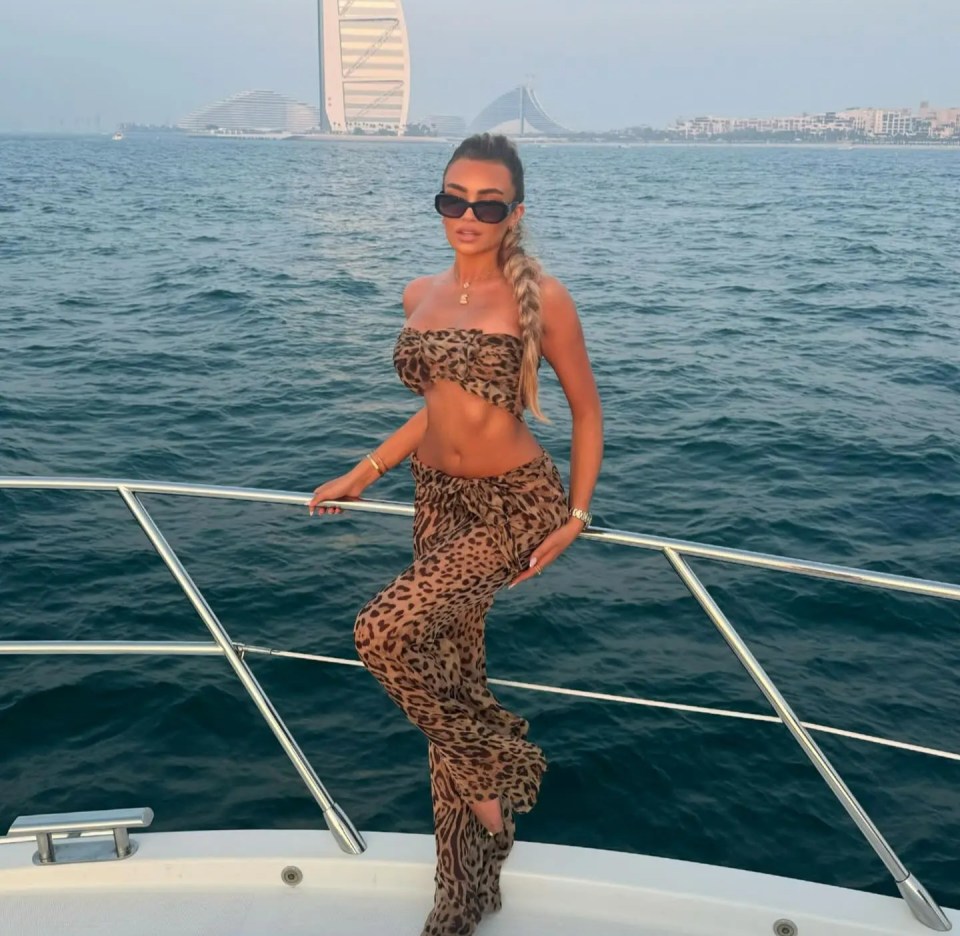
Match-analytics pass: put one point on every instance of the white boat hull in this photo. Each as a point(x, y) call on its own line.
point(229, 883)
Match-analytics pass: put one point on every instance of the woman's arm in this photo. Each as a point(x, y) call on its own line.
point(406, 439)
point(563, 346)
point(389, 453)
point(396, 447)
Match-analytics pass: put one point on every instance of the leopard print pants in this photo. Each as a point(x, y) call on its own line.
point(422, 637)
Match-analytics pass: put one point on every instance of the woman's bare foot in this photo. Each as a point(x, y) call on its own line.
point(489, 815)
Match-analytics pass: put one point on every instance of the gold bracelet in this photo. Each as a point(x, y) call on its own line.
point(373, 461)
point(582, 516)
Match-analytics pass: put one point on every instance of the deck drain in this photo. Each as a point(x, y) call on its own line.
point(291, 875)
point(785, 928)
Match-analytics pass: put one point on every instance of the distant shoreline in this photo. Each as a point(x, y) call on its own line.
point(560, 141)
point(363, 138)
point(565, 141)
point(739, 144)
point(523, 141)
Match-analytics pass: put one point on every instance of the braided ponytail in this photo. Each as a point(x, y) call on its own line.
point(523, 273)
point(520, 269)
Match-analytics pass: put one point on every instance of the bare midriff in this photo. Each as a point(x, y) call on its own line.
point(470, 437)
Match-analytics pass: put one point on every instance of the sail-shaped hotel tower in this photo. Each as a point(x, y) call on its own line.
point(364, 65)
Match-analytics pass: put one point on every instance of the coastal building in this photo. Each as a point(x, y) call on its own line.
point(364, 66)
point(804, 124)
point(882, 122)
point(517, 113)
point(869, 122)
point(944, 121)
point(936, 123)
point(254, 112)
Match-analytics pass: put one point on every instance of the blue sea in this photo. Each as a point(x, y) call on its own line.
point(775, 333)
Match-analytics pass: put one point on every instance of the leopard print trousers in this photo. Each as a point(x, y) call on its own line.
point(422, 637)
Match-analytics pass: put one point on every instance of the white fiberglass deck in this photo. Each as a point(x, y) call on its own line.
point(229, 884)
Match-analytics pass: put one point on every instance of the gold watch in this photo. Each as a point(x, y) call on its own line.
point(582, 516)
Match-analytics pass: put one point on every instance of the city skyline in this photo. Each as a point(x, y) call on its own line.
point(623, 63)
point(927, 123)
point(518, 113)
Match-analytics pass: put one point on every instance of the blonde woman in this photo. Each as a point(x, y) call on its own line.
point(490, 512)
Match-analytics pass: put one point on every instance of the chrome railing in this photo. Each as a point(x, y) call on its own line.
point(921, 904)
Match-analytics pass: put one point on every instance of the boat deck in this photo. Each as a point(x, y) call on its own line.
point(230, 884)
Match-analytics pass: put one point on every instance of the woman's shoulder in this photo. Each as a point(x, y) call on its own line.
point(415, 291)
point(558, 311)
point(555, 298)
point(552, 288)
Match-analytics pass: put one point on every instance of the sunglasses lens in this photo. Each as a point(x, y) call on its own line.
point(450, 206)
point(453, 206)
point(490, 212)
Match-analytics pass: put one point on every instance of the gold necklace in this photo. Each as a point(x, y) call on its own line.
point(465, 285)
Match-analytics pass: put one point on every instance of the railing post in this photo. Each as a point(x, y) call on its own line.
point(921, 904)
point(348, 838)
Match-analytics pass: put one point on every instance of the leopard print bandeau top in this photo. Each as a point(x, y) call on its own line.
point(484, 363)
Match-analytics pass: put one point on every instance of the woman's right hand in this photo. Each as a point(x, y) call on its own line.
point(346, 487)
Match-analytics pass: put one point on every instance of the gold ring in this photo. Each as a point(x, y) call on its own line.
point(539, 571)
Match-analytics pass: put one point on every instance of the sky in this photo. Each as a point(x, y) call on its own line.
point(596, 65)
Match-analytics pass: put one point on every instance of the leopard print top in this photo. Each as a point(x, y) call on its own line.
point(484, 363)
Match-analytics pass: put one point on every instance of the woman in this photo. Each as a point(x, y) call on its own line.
point(490, 511)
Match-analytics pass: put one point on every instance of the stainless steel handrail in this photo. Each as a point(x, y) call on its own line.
point(921, 904)
point(342, 829)
point(337, 820)
point(193, 648)
point(758, 560)
point(918, 899)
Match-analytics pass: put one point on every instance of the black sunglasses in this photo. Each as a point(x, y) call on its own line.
point(489, 212)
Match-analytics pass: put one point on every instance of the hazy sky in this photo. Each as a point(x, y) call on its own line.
point(596, 64)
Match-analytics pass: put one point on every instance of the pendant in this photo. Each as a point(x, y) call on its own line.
point(463, 299)
point(463, 296)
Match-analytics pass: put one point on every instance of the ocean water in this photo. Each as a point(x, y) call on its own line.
point(775, 335)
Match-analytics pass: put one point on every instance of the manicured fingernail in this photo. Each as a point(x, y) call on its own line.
point(533, 561)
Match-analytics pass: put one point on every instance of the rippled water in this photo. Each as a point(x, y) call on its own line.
point(774, 332)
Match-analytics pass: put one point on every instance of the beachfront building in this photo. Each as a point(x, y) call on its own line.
point(253, 112)
point(364, 66)
point(934, 123)
point(804, 124)
point(875, 123)
point(944, 121)
point(883, 122)
point(517, 113)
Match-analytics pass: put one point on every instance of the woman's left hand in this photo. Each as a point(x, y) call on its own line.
point(549, 549)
